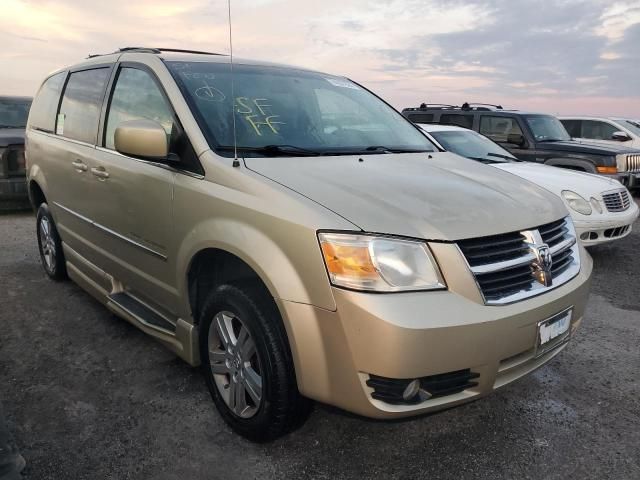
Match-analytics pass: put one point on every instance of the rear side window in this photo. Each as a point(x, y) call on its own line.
point(43, 111)
point(498, 129)
point(421, 117)
point(465, 121)
point(573, 127)
point(81, 103)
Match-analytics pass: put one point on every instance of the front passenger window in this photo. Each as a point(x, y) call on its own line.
point(137, 96)
point(498, 129)
point(597, 130)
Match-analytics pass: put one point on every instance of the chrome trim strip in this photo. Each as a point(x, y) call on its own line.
point(66, 139)
point(164, 166)
point(569, 242)
point(111, 232)
point(534, 289)
point(505, 265)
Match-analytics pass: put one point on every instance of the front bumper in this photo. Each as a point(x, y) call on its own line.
point(631, 180)
point(413, 335)
point(609, 227)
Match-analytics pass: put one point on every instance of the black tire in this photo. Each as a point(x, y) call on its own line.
point(282, 408)
point(50, 247)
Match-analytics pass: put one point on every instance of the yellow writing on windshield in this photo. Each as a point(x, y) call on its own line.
point(258, 112)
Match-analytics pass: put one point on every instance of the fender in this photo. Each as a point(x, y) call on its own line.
point(280, 272)
point(572, 163)
point(35, 174)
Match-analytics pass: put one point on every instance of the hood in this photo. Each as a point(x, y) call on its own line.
point(557, 179)
point(585, 147)
point(11, 136)
point(446, 197)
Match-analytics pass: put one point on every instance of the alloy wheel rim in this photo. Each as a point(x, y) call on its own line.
point(235, 364)
point(47, 244)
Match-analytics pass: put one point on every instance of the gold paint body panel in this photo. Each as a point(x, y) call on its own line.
point(139, 229)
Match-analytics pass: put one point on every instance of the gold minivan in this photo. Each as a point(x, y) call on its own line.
point(296, 236)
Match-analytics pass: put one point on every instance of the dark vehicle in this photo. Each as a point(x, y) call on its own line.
point(535, 137)
point(13, 118)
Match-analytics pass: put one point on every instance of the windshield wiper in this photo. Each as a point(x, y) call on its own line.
point(504, 157)
point(383, 149)
point(551, 140)
point(485, 160)
point(286, 150)
point(10, 126)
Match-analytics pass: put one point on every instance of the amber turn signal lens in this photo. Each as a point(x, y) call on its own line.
point(607, 169)
point(349, 260)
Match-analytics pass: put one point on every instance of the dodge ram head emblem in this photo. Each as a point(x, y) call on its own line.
point(542, 261)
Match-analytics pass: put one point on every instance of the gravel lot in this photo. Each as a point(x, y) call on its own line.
point(88, 396)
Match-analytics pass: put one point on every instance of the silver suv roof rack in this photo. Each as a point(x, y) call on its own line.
point(155, 51)
point(470, 105)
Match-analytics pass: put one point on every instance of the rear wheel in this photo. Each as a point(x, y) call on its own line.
point(247, 364)
point(50, 245)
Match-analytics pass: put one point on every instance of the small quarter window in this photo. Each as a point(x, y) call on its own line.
point(81, 103)
point(45, 105)
point(421, 117)
point(465, 121)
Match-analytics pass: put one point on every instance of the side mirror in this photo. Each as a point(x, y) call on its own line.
point(620, 136)
point(516, 139)
point(142, 138)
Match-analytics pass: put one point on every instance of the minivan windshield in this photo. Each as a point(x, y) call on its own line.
point(546, 128)
point(470, 144)
point(288, 112)
point(13, 112)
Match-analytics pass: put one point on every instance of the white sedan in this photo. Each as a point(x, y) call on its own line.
point(602, 209)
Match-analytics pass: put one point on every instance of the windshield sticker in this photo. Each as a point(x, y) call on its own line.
point(198, 75)
point(209, 93)
point(60, 124)
point(258, 112)
point(344, 83)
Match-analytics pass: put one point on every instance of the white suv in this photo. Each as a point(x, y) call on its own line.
point(604, 130)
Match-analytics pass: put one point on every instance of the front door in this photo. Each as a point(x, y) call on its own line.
point(134, 212)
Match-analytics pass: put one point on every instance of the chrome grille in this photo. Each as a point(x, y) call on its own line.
point(507, 267)
point(617, 201)
point(633, 163)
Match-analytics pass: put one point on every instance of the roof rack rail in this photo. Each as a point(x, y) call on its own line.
point(425, 106)
point(179, 50)
point(470, 105)
point(155, 50)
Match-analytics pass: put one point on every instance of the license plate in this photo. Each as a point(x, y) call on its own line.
point(553, 331)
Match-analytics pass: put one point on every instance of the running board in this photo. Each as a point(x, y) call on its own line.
point(142, 313)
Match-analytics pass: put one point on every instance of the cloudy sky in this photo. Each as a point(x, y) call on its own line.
point(558, 56)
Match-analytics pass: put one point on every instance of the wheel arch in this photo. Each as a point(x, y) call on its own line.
point(255, 255)
point(37, 188)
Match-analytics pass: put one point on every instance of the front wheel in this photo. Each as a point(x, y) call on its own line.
point(247, 364)
point(50, 245)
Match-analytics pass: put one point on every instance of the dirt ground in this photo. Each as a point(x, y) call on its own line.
point(88, 396)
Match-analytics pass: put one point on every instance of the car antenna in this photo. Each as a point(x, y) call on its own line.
point(236, 162)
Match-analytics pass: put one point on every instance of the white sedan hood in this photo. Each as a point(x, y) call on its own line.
point(557, 179)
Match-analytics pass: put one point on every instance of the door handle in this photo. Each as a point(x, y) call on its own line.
point(79, 165)
point(100, 172)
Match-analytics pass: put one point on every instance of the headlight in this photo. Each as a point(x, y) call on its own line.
point(381, 264)
point(576, 202)
point(596, 204)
